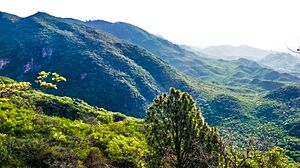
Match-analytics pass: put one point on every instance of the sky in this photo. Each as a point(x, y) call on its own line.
point(266, 24)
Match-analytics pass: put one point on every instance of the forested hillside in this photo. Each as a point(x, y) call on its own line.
point(103, 70)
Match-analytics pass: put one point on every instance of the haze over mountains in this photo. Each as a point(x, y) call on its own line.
point(283, 62)
point(279, 61)
point(231, 52)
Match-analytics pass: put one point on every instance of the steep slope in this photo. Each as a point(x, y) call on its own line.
point(101, 69)
point(283, 62)
point(198, 65)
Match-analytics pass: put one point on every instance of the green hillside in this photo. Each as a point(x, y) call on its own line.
point(42, 130)
point(103, 70)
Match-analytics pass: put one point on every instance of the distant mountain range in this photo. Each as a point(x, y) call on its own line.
point(279, 61)
point(283, 62)
point(231, 52)
point(202, 64)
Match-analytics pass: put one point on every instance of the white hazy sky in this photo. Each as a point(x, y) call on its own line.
point(267, 24)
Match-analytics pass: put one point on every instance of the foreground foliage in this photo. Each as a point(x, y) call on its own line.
point(39, 130)
point(42, 130)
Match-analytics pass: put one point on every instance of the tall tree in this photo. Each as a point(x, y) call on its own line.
point(178, 135)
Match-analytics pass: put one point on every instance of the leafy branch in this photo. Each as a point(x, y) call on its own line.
point(43, 76)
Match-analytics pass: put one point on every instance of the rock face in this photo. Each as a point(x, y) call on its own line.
point(101, 69)
point(3, 63)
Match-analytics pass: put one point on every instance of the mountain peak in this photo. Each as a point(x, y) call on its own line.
point(99, 21)
point(41, 15)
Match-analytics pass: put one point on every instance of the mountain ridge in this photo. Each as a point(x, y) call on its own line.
point(283, 62)
point(95, 62)
point(191, 62)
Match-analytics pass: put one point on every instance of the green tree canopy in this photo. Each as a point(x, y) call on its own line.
point(178, 135)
